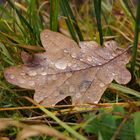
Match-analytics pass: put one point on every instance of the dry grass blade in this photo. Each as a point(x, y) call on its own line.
point(31, 130)
point(34, 130)
point(31, 47)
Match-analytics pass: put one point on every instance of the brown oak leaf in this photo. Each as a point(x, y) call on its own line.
point(81, 71)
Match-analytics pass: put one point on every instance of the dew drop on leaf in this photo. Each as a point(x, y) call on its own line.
point(73, 55)
point(71, 88)
point(61, 64)
point(31, 83)
point(69, 64)
point(46, 36)
point(89, 59)
point(43, 73)
point(78, 95)
point(21, 81)
point(101, 84)
point(66, 51)
point(95, 102)
point(69, 74)
point(32, 73)
point(12, 76)
point(22, 73)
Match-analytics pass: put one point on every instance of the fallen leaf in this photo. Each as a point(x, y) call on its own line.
point(81, 71)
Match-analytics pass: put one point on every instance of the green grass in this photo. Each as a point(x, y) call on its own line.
point(136, 37)
point(54, 11)
point(20, 25)
point(97, 9)
point(71, 21)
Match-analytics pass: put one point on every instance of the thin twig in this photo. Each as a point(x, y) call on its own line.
point(121, 125)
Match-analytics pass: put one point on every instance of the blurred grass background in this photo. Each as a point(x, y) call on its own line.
point(20, 25)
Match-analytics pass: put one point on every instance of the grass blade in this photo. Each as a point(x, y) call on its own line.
point(75, 24)
point(5, 52)
point(35, 20)
point(124, 89)
point(134, 49)
point(7, 12)
point(97, 9)
point(71, 21)
point(137, 125)
point(64, 125)
point(23, 20)
point(61, 123)
point(128, 9)
point(68, 20)
point(54, 10)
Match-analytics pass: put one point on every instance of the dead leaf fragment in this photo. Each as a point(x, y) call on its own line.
point(81, 71)
point(4, 138)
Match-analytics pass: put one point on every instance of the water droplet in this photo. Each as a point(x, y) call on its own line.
point(78, 95)
point(69, 74)
point(111, 57)
point(61, 64)
point(32, 73)
point(114, 74)
point(101, 84)
point(71, 88)
point(69, 64)
point(46, 36)
point(31, 83)
point(95, 59)
point(95, 102)
point(73, 55)
point(66, 51)
point(12, 76)
point(43, 73)
point(54, 77)
point(21, 81)
point(22, 73)
point(89, 59)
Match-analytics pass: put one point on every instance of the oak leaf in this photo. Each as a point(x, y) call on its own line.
point(81, 71)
